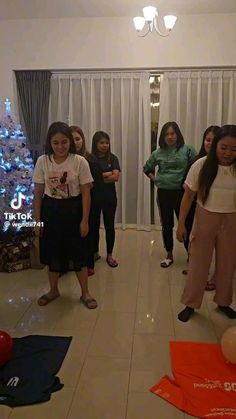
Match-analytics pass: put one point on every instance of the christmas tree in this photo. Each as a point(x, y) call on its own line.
point(16, 188)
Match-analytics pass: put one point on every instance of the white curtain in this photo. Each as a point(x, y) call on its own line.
point(196, 100)
point(119, 104)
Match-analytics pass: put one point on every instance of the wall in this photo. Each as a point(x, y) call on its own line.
point(97, 43)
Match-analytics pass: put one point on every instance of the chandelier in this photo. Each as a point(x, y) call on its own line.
point(149, 22)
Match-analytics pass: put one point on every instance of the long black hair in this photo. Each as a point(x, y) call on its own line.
point(202, 151)
point(98, 136)
point(175, 127)
point(209, 170)
point(56, 128)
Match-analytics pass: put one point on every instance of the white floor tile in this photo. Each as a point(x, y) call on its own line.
point(102, 389)
point(120, 350)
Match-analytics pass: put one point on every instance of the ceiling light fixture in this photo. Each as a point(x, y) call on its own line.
point(150, 15)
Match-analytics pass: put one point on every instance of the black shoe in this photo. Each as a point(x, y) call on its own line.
point(228, 311)
point(185, 314)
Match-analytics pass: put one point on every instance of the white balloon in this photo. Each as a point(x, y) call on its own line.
point(228, 344)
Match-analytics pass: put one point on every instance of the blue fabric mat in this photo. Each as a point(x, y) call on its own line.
point(30, 375)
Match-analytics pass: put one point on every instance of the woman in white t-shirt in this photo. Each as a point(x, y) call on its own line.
point(62, 204)
point(213, 178)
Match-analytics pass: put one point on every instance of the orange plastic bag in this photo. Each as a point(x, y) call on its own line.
point(204, 383)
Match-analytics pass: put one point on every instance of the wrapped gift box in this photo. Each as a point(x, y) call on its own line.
point(15, 256)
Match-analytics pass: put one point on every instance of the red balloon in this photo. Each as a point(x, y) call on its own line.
point(6, 345)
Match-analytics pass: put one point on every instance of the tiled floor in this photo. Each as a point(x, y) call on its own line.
point(119, 350)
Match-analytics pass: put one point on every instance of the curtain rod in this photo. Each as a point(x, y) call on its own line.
point(153, 71)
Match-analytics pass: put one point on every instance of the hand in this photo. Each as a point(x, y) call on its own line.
point(84, 228)
point(181, 233)
point(38, 231)
point(152, 177)
point(106, 174)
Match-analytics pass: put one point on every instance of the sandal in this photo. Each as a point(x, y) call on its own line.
point(210, 286)
point(45, 299)
point(111, 262)
point(90, 303)
point(166, 263)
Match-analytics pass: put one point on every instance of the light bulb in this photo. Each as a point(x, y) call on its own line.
point(149, 13)
point(139, 23)
point(169, 22)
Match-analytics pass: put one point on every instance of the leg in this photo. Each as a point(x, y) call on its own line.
point(91, 250)
point(167, 220)
point(86, 298)
point(201, 250)
point(95, 227)
point(109, 210)
point(225, 262)
point(189, 225)
point(53, 292)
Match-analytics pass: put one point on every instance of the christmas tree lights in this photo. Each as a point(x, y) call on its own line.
point(16, 169)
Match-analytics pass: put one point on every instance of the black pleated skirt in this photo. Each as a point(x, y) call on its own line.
point(61, 246)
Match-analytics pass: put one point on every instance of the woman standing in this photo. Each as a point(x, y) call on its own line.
point(173, 158)
point(208, 137)
point(213, 178)
point(96, 189)
point(62, 203)
point(106, 200)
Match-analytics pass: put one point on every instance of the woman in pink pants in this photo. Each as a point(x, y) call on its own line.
point(213, 178)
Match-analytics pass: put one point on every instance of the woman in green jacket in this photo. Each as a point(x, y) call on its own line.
point(173, 158)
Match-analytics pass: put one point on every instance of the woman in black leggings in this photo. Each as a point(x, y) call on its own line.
point(105, 201)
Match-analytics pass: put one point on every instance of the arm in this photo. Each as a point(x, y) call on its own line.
point(86, 202)
point(149, 167)
point(151, 176)
point(38, 194)
point(192, 154)
point(184, 210)
point(107, 174)
point(112, 177)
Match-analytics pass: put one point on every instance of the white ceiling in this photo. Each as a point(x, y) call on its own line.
point(23, 9)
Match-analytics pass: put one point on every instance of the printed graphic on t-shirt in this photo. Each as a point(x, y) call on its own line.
point(58, 184)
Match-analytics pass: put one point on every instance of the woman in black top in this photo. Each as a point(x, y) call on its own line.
point(105, 200)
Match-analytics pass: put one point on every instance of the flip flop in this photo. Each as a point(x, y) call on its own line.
point(45, 299)
point(111, 262)
point(166, 263)
point(90, 303)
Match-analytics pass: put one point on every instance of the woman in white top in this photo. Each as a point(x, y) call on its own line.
point(213, 178)
point(62, 204)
